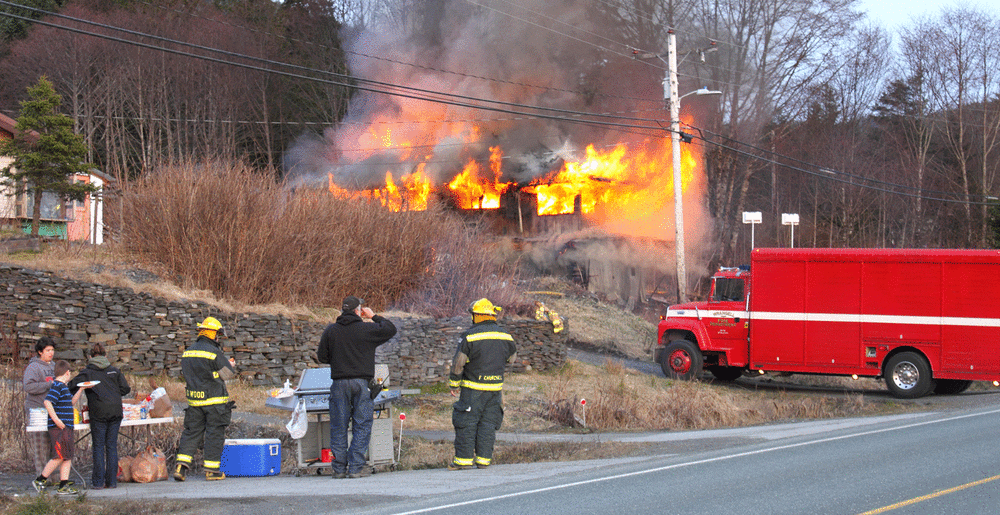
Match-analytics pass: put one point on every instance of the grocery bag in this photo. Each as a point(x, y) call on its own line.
point(125, 469)
point(299, 423)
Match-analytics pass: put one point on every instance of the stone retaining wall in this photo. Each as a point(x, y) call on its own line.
point(144, 334)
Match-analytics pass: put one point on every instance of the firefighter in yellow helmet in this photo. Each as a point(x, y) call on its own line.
point(477, 379)
point(209, 409)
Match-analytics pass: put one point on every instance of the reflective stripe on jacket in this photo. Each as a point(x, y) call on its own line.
point(201, 364)
point(487, 348)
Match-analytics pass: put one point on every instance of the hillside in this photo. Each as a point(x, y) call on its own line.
point(591, 324)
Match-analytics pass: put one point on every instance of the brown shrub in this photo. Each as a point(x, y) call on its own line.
point(229, 229)
point(620, 400)
point(13, 444)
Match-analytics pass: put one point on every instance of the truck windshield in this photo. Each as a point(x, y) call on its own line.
point(728, 289)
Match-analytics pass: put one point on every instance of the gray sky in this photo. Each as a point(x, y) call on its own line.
point(892, 14)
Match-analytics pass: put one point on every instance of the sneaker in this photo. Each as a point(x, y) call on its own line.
point(180, 472)
point(40, 485)
point(339, 475)
point(214, 475)
point(452, 466)
point(481, 466)
point(67, 489)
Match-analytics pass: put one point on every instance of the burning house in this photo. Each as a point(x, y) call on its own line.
point(587, 201)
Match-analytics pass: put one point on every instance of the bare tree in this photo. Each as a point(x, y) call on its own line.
point(988, 64)
point(770, 52)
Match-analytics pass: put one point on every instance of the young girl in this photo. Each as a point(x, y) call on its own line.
point(105, 403)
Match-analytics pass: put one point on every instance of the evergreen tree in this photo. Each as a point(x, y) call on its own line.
point(12, 29)
point(46, 152)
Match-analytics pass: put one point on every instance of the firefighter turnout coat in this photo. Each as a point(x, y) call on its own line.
point(478, 367)
point(209, 411)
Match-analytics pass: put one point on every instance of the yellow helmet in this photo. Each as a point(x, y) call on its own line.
point(211, 324)
point(483, 306)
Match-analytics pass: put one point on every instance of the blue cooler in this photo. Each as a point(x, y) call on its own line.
point(251, 457)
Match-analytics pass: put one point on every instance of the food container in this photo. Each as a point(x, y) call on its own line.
point(38, 417)
point(251, 457)
point(131, 411)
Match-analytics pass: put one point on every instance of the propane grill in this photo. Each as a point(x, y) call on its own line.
point(314, 390)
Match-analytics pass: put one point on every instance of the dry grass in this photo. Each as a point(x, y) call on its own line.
point(108, 265)
point(594, 324)
point(236, 232)
point(13, 445)
point(621, 400)
point(82, 505)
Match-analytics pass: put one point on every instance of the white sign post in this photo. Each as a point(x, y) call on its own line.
point(753, 218)
point(793, 220)
point(399, 450)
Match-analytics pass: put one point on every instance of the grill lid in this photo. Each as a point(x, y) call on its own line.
point(314, 387)
point(314, 380)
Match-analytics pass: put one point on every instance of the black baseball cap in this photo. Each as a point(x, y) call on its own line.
point(351, 303)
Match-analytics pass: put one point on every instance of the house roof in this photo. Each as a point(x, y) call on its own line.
point(7, 125)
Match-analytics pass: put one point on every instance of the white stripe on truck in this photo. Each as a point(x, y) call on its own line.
point(840, 317)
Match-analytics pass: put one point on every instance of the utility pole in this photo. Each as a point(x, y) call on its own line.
point(673, 99)
point(672, 96)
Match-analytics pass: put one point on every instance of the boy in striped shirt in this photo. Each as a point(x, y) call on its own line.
point(59, 403)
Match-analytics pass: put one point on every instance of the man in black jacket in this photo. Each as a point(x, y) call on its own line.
point(348, 345)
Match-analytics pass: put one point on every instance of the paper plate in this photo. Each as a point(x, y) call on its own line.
point(89, 383)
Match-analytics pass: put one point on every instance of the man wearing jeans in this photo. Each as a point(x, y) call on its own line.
point(348, 345)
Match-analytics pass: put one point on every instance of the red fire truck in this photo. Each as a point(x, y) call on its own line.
point(924, 320)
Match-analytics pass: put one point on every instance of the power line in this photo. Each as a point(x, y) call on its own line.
point(432, 96)
point(398, 62)
point(574, 38)
point(442, 98)
point(830, 171)
point(833, 175)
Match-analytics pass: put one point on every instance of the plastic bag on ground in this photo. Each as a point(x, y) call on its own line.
point(125, 469)
point(145, 467)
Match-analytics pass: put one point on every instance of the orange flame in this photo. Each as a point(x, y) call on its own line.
point(475, 192)
point(627, 188)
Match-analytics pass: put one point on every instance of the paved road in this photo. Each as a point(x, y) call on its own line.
point(923, 464)
point(747, 458)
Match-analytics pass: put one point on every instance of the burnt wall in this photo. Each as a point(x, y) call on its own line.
point(144, 334)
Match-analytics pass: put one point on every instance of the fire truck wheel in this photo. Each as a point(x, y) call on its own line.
point(681, 360)
point(908, 375)
point(951, 386)
point(726, 373)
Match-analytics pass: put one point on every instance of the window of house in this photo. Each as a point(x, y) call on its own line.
point(53, 207)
